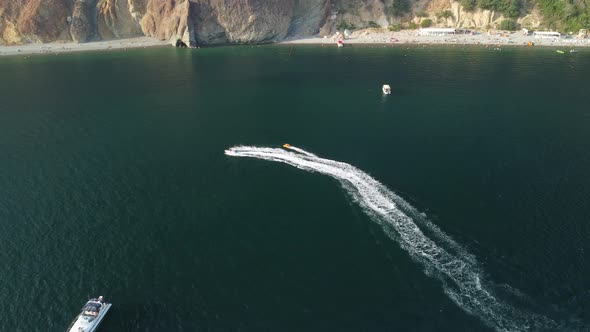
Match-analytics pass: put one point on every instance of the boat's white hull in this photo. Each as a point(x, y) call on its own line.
point(386, 89)
point(81, 324)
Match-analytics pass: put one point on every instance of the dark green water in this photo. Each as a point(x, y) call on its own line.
point(113, 181)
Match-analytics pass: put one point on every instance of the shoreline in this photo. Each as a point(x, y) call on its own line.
point(358, 37)
point(411, 37)
point(70, 47)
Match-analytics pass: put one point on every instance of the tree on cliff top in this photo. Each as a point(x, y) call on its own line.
point(469, 5)
point(509, 25)
point(400, 7)
point(569, 15)
point(426, 23)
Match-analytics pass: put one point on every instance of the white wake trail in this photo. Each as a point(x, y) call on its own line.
point(301, 151)
point(441, 256)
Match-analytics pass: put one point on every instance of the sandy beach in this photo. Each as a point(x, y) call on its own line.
point(379, 36)
point(55, 48)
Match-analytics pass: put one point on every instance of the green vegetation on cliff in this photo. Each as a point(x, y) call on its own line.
point(426, 23)
point(565, 15)
point(400, 7)
point(510, 8)
point(395, 27)
point(562, 15)
point(508, 25)
point(444, 14)
point(469, 5)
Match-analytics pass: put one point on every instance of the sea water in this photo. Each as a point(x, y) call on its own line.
point(457, 203)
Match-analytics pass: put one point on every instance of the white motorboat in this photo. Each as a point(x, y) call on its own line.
point(386, 89)
point(92, 314)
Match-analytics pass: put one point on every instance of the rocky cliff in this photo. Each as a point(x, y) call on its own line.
point(213, 21)
point(471, 19)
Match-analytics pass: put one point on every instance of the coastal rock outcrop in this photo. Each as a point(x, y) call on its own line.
point(192, 21)
point(196, 22)
point(232, 21)
point(460, 17)
point(533, 20)
point(120, 18)
point(248, 21)
point(208, 30)
point(360, 14)
point(9, 34)
point(478, 18)
point(34, 20)
point(308, 16)
point(166, 19)
point(83, 21)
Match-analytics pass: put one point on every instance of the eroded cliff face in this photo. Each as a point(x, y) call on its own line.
point(478, 18)
point(33, 20)
point(120, 18)
point(211, 21)
point(193, 21)
point(252, 21)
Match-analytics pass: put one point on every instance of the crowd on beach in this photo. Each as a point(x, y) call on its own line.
point(462, 37)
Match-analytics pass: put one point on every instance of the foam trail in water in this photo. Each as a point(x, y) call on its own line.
point(444, 259)
point(301, 151)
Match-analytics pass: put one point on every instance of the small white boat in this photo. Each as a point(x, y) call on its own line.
point(386, 89)
point(340, 43)
point(92, 314)
point(573, 51)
